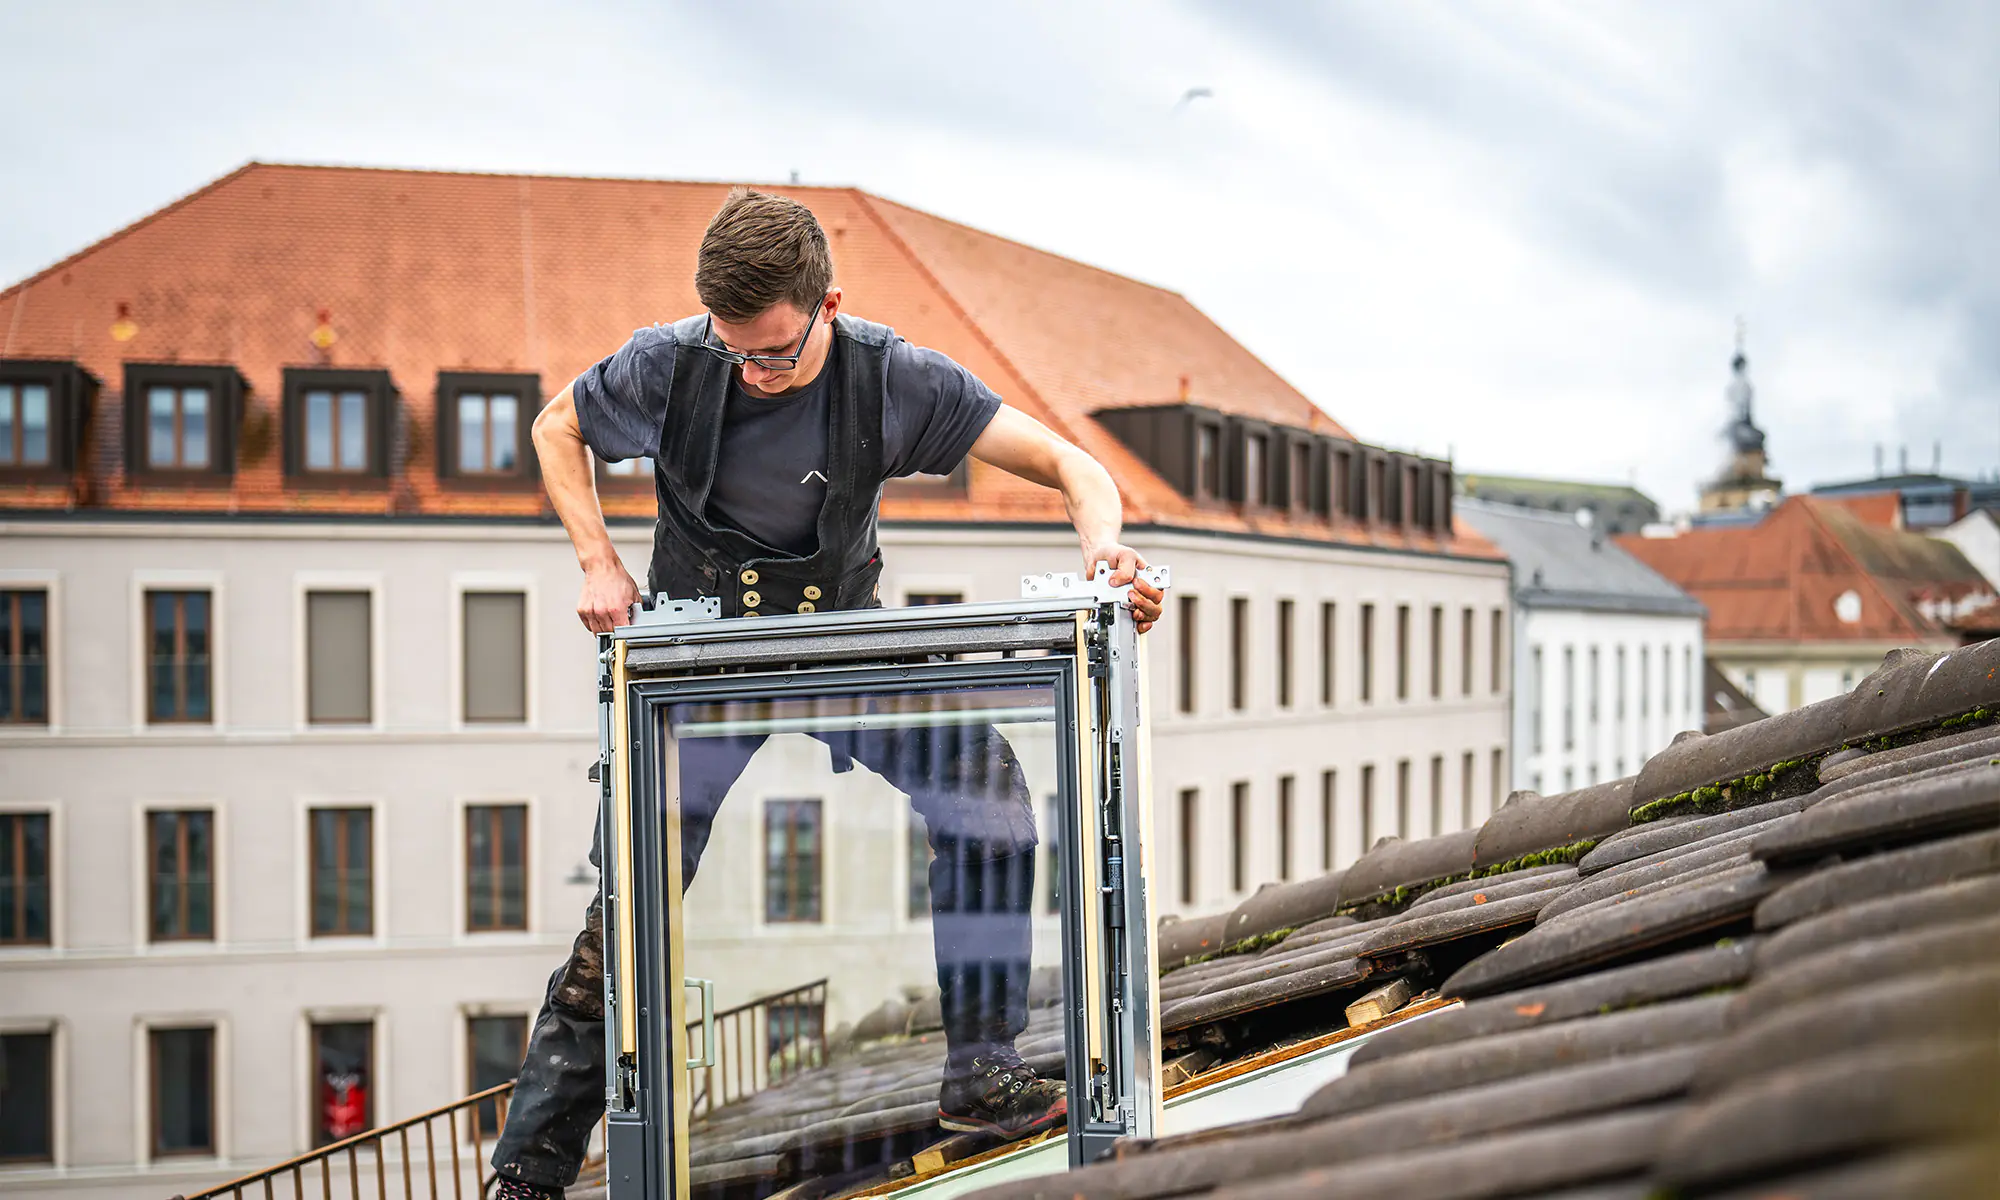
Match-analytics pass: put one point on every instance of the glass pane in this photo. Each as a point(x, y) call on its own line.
point(160, 427)
point(506, 434)
point(27, 1097)
point(183, 1095)
point(200, 884)
point(358, 890)
point(319, 431)
point(194, 428)
point(34, 424)
point(353, 431)
point(342, 1100)
point(941, 781)
point(498, 1045)
point(471, 433)
point(8, 424)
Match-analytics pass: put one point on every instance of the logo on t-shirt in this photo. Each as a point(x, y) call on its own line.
point(812, 475)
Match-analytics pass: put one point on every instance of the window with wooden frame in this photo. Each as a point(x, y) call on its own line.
point(342, 854)
point(25, 891)
point(1207, 461)
point(793, 868)
point(180, 420)
point(24, 656)
point(1402, 652)
point(44, 407)
point(1497, 640)
point(1329, 816)
point(483, 423)
point(1465, 791)
point(1367, 639)
point(1190, 829)
point(496, 867)
point(179, 638)
point(1284, 648)
point(343, 1083)
point(494, 1049)
point(181, 1075)
point(1342, 463)
point(180, 858)
point(1187, 642)
point(1367, 807)
point(1239, 653)
point(1327, 644)
point(27, 1097)
point(1437, 651)
point(1239, 836)
point(1437, 795)
point(1403, 798)
point(1465, 652)
point(1286, 785)
point(1301, 477)
point(1256, 469)
point(338, 426)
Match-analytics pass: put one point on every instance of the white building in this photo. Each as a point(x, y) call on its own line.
point(295, 726)
point(1977, 536)
point(1608, 654)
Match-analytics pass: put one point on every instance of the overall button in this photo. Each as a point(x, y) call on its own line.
point(812, 591)
point(806, 607)
point(749, 577)
point(752, 599)
point(752, 613)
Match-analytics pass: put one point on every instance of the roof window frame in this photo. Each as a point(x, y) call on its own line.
point(383, 408)
point(228, 392)
point(526, 386)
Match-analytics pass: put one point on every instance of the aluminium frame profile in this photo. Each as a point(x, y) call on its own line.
point(680, 652)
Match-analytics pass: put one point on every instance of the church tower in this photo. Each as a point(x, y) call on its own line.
point(1744, 482)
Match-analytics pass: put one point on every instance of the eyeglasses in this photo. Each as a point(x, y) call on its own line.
point(770, 362)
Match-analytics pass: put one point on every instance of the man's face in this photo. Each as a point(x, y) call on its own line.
point(777, 331)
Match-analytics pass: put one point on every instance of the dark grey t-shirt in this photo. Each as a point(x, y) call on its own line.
point(770, 480)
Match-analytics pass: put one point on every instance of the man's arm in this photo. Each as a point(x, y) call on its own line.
point(608, 589)
point(1020, 445)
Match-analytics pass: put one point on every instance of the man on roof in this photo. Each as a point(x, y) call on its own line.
point(772, 421)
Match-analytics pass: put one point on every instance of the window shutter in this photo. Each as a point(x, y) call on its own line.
point(495, 656)
point(338, 659)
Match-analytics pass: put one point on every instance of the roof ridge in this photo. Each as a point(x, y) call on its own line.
point(958, 310)
point(15, 289)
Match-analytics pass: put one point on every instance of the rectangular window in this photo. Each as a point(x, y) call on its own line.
point(1402, 652)
point(1402, 798)
point(1326, 649)
point(24, 425)
point(1301, 478)
point(1496, 790)
point(918, 861)
point(343, 874)
point(24, 879)
point(1367, 807)
point(24, 657)
point(1188, 643)
point(1208, 461)
point(496, 867)
point(1328, 786)
point(1367, 658)
point(927, 599)
point(1535, 699)
point(1618, 703)
point(1284, 654)
point(796, 1030)
point(792, 854)
point(180, 853)
point(177, 427)
point(1437, 652)
point(1687, 686)
point(496, 656)
point(1437, 794)
point(1343, 484)
point(1239, 836)
point(1285, 784)
point(182, 1073)
point(343, 1095)
point(177, 657)
point(1190, 815)
point(1465, 652)
point(27, 1097)
point(489, 433)
point(339, 662)
point(1645, 685)
point(1569, 697)
point(1239, 653)
point(1465, 792)
point(1591, 682)
point(1255, 469)
point(1498, 640)
point(494, 1049)
point(1667, 684)
point(336, 431)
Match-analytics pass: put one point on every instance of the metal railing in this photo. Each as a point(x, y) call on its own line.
point(744, 1060)
point(365, 1150)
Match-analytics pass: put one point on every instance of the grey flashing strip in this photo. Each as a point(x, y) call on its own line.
point(842, 721)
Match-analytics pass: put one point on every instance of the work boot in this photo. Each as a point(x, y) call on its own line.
point(999, 1095)
point(514, 1189)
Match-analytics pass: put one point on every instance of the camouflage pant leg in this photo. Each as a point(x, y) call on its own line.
point(560, 1094)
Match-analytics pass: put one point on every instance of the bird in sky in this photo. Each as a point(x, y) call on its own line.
point(1193, 94)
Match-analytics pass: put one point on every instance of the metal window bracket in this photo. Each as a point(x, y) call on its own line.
point(1069, 585)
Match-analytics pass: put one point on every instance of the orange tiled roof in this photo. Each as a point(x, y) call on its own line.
point(1778, 580)
point(423, 271)
point(1874, 508)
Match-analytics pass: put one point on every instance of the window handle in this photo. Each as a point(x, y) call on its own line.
point(707, 989)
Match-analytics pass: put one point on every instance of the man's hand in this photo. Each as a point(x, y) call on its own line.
point(1125, 564)
point(608, 596)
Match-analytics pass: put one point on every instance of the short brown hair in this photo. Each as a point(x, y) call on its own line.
point(760, 249)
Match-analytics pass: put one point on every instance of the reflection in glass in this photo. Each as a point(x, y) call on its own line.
point(34, 425)
point(857, 998)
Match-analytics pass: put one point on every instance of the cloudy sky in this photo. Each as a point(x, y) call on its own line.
point(1521, 233)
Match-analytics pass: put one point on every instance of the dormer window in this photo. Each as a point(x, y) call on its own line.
point(25, 439)
point(1256, 454)
point(181, 420)
point(1208, 461)
point(42, 408)
point(483, 423)
point(1302, 477)
point(337, 425)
